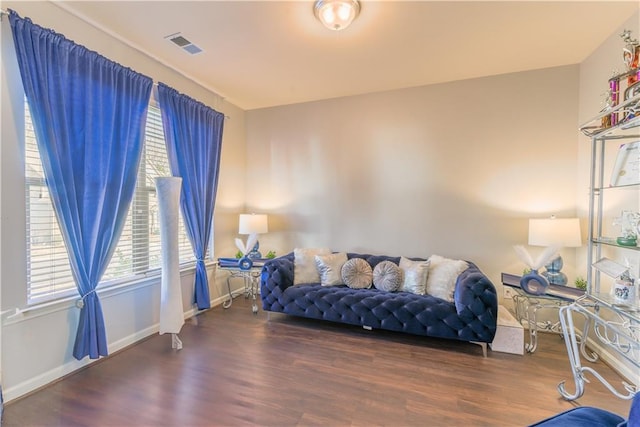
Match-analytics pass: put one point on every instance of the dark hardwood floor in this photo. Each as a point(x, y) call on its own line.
point(237, 369)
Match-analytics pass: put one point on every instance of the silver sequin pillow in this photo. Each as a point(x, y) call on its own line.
point(443, 275)
point(330, 268)
point(415, 276)
point(387, 276)
point(357, 274)
point(304, 265)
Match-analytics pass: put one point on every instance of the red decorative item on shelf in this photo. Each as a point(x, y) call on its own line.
point(614, 91)
point(634, 66)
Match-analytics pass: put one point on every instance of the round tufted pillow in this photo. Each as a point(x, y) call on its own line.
point(357, 273)
point(387, 276)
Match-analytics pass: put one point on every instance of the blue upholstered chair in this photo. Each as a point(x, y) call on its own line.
point(586, 416)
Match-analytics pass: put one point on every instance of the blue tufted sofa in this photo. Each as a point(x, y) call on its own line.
point(472, 317)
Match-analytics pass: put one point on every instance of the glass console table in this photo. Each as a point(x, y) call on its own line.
point(615, 326)
point(527, 306)
point(251, 278)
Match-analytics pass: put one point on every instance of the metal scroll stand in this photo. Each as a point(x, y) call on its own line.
point(621, 335)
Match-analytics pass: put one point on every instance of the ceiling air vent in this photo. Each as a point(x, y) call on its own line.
point(179, 40)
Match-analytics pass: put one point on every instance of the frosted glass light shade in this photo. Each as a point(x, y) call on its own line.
point(336, 15)
point(561, 232)
point(253, 223)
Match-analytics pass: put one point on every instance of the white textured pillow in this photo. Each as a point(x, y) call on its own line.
point(443, 274)
point(357, 273)
point(330, 268)
point(304, 264)
point(387, 276)
point(415, 276)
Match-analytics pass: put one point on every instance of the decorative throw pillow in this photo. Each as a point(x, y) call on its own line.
point(304, 264)
point(443, 274)
point(387, 276)
point(415, 276)
point(330, 268)
point(357, 273)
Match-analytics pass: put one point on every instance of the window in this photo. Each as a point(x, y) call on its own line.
point(138, 252)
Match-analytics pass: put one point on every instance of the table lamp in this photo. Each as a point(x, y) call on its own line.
point(253, 224)
point(559, 232)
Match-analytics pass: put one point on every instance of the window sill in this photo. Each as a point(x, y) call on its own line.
point(17, 315)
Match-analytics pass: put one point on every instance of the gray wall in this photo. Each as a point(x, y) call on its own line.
point(454, 169)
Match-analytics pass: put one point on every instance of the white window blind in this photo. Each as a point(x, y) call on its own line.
point(138, 251)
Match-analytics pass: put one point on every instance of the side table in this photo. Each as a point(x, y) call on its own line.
point(251, 280)
point(527, 306)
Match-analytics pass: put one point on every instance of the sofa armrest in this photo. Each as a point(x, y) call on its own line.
point(476, 299)
point(277, 275)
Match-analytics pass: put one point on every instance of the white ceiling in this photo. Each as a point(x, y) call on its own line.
point(268, 53)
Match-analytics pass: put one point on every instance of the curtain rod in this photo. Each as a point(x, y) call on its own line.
point(226, 116)
point(4, 12)
point(64, 6)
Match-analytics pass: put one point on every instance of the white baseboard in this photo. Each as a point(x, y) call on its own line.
point(43, 379)
point(73, 365)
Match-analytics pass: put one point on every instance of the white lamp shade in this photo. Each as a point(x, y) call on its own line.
point(561, 232)
point(253, 223)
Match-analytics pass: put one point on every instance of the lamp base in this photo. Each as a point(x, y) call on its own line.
point(553, 273)
point(255, 253)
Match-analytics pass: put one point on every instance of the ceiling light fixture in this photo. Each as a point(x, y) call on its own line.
point(336, 15)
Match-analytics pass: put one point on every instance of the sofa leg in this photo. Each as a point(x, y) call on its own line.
point(483, 345)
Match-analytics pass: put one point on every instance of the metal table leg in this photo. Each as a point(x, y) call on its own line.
point(254, 292)
point(566, 319)
point(229, 300)
point(527, 308)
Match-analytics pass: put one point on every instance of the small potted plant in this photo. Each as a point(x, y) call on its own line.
point(581, 283)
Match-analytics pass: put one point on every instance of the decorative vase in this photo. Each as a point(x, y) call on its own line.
point(171, 310)
point(533, 283)
point(245, 263)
